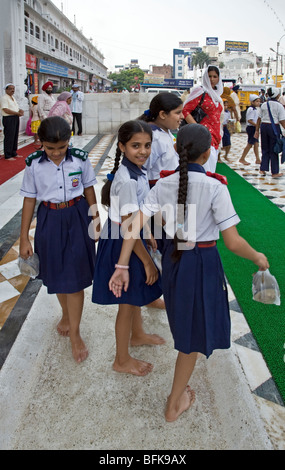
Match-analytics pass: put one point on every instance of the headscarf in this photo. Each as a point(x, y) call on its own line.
point(64, 96)
point(61, 107)
point(273, 92)
point(207, 87)
point(46, 85)
point(253, 98)
point(226, 95)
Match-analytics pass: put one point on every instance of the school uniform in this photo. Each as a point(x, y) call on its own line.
point(252, 114)
point(65, 250)
point(163, 154)
point(128, 189)
point(226, 136)
point(194, 288)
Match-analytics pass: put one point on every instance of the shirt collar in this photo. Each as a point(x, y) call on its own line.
point(45, 157)
point(194, 167)
point(155, 127)
point(134, 170)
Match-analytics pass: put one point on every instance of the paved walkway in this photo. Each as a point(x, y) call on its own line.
point(49, 402)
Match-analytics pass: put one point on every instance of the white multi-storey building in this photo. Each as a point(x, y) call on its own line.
point(39, 43)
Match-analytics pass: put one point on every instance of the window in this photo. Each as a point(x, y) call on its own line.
point(26, 26)
point(31, 28)
point(44, 37)
point(38, 34)
point(56, 44)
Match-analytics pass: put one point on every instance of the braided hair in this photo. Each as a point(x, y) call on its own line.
point(125, 133)
point(192, 141)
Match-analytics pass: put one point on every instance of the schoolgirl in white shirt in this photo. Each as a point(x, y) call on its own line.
point(164, 115)
point(123, 193)
point(193, 281)
point(63, 180)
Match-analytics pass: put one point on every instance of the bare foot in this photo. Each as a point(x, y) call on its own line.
point(277, 175)
point(63, 327)
point(186, 401)
point(262, 173)
point(243, 162)
point(257, 162)
point(147, 339)
point(158, 303)
point(79, 350)
point(133, 366)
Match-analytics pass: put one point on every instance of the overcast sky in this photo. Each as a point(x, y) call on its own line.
point(149, 30)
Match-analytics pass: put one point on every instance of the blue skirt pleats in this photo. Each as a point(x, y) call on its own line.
point(108, 253)
point(196, 299)
point(65, 250)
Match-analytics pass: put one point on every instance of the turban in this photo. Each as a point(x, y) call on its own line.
point(46, 85)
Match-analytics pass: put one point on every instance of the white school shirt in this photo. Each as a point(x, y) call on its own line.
point(46, 181)
point(163, 155)
point(227, 117)
point(212, 209)
point(129, 188)
point(252, 114)
point(277, 111)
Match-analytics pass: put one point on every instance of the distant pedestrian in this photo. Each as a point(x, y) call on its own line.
point(35, 120)
point(11, 113)
point(226, 141)
point(46, 100)
point(275, 112)
point(262, 96)
point(76, 107)
point(252, 115)
point(62, 107)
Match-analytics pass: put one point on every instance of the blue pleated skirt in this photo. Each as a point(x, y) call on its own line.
point(65, 250)
point(108, 253)
point(196, 300)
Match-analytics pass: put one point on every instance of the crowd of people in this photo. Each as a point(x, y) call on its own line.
point(149, 194)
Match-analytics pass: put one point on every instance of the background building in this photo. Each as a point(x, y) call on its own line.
point(39, 43)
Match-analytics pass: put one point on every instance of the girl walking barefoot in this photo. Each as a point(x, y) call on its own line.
point(125, 189)
point(193, 281)
point(62, 180)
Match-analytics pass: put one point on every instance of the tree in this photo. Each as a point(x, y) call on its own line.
point(126, 79)
point(200, 59)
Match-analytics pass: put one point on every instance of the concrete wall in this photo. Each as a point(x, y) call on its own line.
point(103, 113)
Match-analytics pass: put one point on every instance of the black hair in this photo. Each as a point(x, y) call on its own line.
point(213, 68)
point(125, 133)
point(192, 141)
point(271, 92)
point(161, 102)
point(54, 129)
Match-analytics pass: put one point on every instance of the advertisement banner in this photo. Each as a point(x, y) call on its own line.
point(237, 46)
point(53, 68)
point(31, 62)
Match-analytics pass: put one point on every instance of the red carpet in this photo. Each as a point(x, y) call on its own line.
point(13, 167)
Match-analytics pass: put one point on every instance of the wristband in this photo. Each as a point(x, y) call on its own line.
point(119, 266)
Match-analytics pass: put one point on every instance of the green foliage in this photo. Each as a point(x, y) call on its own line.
point(200, 59)
point(126, 79)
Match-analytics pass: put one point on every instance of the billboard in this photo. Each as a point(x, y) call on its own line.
point(237, 46)
point(188, 44)
point(212, 41)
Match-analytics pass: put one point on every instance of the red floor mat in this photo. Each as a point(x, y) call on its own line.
point(13, 167)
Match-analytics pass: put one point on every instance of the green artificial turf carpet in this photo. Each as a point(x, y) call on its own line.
point(263, 226)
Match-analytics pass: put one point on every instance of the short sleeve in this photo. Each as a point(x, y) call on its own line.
point(28, 188)
point(88, 175)
point(125, 200)
point(224, 213)
point(190, 106)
